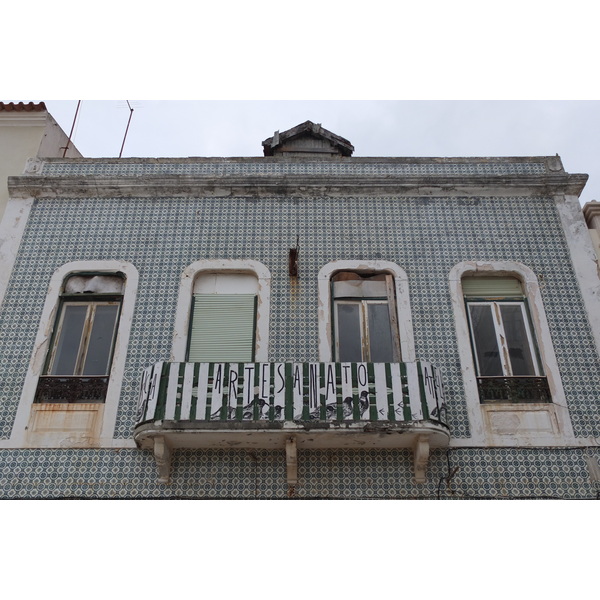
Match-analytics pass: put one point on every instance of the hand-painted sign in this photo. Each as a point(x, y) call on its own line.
point(292, 392)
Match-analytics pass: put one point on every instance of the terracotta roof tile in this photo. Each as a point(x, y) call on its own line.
point(22, 107)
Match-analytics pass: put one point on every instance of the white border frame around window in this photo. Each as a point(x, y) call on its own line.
point(479, 414)
point(405, 326)
point(184, 302)
point(42, 341)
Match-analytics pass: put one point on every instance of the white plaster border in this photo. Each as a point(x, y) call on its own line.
point(36, 364)
point(12, 227)
point(480, 433)
point(583, 258)
point(405, 326)
point(184, 302)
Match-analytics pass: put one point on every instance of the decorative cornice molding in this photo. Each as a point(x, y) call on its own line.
point(23, 119)
point(293, 185)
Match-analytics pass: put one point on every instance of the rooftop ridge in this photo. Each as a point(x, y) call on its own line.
point(22, 106)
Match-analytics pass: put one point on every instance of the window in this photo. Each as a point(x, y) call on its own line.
point(78, 409)
point(512, 385)
point(198, 337)
point(364, 310)
point(80, 356)
point(223, 319)
point(365, 322)
point(505, 349)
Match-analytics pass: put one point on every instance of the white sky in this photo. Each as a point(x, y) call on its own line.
point(375, 128)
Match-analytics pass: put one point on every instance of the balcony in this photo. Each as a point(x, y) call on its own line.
point(291, 406)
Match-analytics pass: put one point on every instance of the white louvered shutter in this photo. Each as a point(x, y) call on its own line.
point(222, 328)
point(491, 287)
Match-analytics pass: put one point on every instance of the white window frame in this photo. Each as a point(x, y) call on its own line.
point(43, 339)
point(404, 318)
point(491, 423)
point(186, 290)
point(501, 336)
point(85, 340)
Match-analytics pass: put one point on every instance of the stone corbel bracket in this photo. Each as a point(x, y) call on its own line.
point(291, 457)
point(421, 458)
point(162, 455)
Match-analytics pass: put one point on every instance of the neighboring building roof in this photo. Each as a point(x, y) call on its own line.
point(591, 212)
point(307, 138)
point(22, 106)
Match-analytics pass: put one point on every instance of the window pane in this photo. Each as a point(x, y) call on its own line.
point(519, 349)
point(69, 340)
point(101, 340)
point(380, 333)
point(348, 332)
point(484, 336)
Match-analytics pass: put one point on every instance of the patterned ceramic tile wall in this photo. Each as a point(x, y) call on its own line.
point(267, 168)
point(425, 236)
point(350, 474)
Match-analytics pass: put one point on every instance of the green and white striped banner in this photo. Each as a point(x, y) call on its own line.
point(397, 392)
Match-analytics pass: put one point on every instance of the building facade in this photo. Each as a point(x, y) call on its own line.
point(299, 325)
point(28, 130)
point(591, 212)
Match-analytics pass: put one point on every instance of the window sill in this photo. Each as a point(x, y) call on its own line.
point(55, 425)
point(522, 424)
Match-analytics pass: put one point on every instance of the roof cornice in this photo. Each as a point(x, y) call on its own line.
point(177, 186)
point(29, 114)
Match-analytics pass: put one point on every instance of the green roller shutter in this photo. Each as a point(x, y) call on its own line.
point(222, 328)
point(491, 287)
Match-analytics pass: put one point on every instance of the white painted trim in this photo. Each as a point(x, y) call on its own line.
point(112, 443)
point(12, 227)
point(42, 341)
point(479, 433)
point(18, 119)
point(405, 326)
point(184, 302)
point(583, 257)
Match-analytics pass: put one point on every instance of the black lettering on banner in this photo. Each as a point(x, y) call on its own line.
point(279, 367)
point(297, 379)
point(362, 369)
point(152, 384)
point(218, 381)
point(264, 380)
point(345, 367)
point(249, 378)
point(313, 378)
point(330, 381)
point(233, 377)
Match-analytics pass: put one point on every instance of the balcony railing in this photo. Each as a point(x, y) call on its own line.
point(58, 389)
point(513, 389)
point(268, 405)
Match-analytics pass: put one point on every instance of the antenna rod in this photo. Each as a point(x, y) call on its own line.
point(72, 127)
point(127, 129)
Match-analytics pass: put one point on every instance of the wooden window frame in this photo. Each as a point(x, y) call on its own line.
point(389, 300)
point(497, 320)
point(92, 301)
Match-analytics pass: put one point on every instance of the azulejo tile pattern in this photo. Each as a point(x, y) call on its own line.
point(335, 474)
point(425, 236)
point(267, 168)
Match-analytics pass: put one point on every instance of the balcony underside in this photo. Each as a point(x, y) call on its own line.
point(310, 436)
